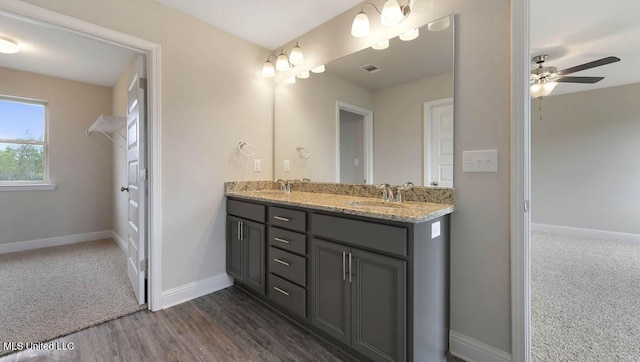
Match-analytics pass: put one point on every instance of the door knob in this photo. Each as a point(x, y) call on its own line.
point(123, 189)
point(434, 183)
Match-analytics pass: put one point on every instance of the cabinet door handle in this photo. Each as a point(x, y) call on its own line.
point(239, 232)
point(350, 268)
point(281, 218)
point(281, 262)
point(281, 240)
point(344, 267)
point(281, 291)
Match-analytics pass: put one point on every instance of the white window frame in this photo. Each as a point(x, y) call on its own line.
point(43, 184)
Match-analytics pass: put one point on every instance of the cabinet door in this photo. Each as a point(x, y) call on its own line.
point(254, 239)
point(331, 298)
point(378, 306)
point(235, 249)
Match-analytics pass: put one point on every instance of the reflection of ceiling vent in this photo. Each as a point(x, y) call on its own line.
point(370, 68)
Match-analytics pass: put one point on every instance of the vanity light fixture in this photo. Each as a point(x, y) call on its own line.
point(318, 69)
point(8, 45)
point(409, 35)
point(381, 45)
point(303, 75)
point(392, 14)
point(283, 62)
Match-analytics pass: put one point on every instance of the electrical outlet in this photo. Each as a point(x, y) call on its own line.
point(287, 166)
point(257, 165)
point(356, 162)
point(480, 161)
point(435, 229)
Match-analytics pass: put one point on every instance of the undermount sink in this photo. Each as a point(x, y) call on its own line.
point(376, 203)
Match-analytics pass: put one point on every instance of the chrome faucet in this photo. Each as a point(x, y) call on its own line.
point(405, 186)
point(387, 192)
point(283, 185)
point(305, 179)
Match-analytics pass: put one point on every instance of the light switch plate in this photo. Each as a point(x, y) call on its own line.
point(287, 166)
point(435, 229)
point(257, 165)
point(480, 161)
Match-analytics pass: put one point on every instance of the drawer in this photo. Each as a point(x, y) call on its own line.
point(288, 295)
point(247, 210)
point(288, 265)
point(288, 240)
point(287, 218)
point(386, 238)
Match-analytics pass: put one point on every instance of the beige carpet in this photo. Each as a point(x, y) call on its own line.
point(51, 292)
point(585, 299)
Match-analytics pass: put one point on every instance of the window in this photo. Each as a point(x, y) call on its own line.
point(23, 141)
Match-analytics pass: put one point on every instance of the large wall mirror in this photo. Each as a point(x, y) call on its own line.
point(375, 116)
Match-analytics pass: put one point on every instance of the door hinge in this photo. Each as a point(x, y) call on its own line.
point(144, 266)
point(144, 175)
point(143, 83)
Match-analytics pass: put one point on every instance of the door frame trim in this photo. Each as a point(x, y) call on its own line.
point(520, 182)
point(152, 52)
point(426, 134)
point(368, 138)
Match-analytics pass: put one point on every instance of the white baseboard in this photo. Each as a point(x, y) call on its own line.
point(600, 234)
point(472, 350)
point(57, 241)
point(121, 243)
point(193, 290)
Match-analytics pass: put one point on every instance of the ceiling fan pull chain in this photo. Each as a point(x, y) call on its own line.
point(540, 107)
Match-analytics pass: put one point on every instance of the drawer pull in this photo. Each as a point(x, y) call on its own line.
point(281, 291)
point(281, 218)
point(281, 262)
point(282, 240)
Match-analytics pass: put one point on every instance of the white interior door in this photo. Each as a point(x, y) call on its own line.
point(439, 143)
point(137, 246)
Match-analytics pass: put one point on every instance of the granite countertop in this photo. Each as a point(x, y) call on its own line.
point(408, 211)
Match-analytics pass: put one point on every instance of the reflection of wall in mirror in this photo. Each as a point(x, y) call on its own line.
point(351, 147)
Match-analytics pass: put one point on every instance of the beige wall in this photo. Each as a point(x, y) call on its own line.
point(305, 115)
point(398, 128)
point(583, 168)
point(119, 165)
point(79, 164)
point(213, 96)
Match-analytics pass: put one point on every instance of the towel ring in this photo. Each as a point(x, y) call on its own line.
point(246, 149)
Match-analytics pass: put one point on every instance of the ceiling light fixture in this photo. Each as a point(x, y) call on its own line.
point(541, 88)
point(318, 69)
point(283, 62)
point(381, 45)
point(8, 45)
point(410, 34)
point(392, 14)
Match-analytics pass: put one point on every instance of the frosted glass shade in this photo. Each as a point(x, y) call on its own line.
point(318, 69)
point(391, 13)
point(8, 46)
point(381, 45)
point(409, 35)
point(439, 25)
point(303, 75)
point(282, 63)
point(296, 57)
point(360, 27)
point(268, 70)
point(542, 89)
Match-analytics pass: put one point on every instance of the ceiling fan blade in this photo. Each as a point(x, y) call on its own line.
point(595, 63)
point(588, 80)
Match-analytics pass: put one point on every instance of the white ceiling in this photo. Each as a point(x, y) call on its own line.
point(269, 24)
point(574, 32)
point(56, 52)
point(571, 32)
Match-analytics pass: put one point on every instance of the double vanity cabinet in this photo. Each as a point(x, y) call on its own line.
point(377, 288)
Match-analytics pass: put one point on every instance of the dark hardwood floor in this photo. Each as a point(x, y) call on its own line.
point(227, 325)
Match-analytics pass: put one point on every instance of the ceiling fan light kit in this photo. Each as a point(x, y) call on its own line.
point(545, 78)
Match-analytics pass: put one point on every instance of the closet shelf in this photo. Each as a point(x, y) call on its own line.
point(109, 124)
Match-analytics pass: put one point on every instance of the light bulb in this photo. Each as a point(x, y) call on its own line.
point(290, 80)
point(268, 70)
point(303, 75)
point(391, 13)
point(8, 46)
point(360, 27)
point(381, 45)
point(409, 35)
point(439, 25)
point(318, 69)
point(282, 63)
point(296, 57)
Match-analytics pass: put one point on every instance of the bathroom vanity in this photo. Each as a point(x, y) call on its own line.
point(372, 277)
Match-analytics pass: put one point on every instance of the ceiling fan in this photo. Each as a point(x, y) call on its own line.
point(545, 78)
